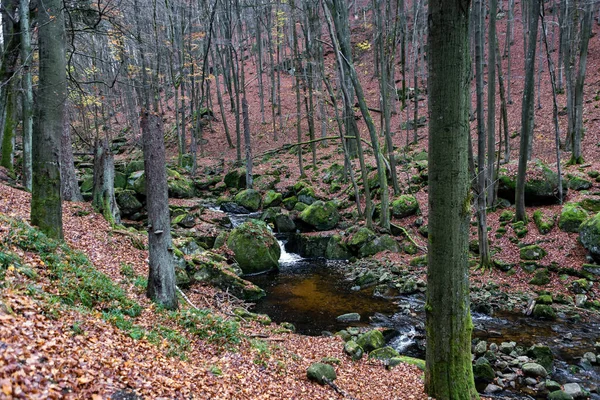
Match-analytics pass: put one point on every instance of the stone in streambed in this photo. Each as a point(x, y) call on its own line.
point(321, 373)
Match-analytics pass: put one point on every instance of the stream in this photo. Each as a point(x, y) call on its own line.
point(311, 293)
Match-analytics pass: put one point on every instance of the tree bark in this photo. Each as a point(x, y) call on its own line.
point(46, 198)
point(448, 374)
point(69, 186)
point(161, 274)
point(527, 112)
point(27, 98)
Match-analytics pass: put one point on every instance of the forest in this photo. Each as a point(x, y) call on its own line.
point(308, 199)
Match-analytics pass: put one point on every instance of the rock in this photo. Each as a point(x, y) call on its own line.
point(255, 247)
point(179, 187)
point(284, 224)
point(264, 183)
point(350, 317)
point(541, 277)
point(128, 203)
point(480, 348)
point(571, 217)
point(589, 234)
point(407, 360)
point(540, 184)
point(321, 373)
point(308, 246)
point(371, 340)
point(578, 183)
point(185, 220)
point(271, 199)
point(379, 244)
point(483, 372)
point(590, 204)
point(336, 249)
point(534, 370)
point(233, 208)
point(530, 381)
point(542, 311)
point(269, 215)
point(236, 178)
point(532, 252)
point(491, 389)
point(544, 299)
point(383, 354)
point(542, 355)
point(404, 206)
point(322, 216)
point(573, 390)
point(306, 195)
point(210, 269)
point(580, 300)
point(581, 286)
point(137, 181)
point(591, 357)
point(559, 395)
point(409, 286)
point(249, 199)
point(290, 202)
point(592, 269)
point(360, 237)
point(551, 385)
point(353, 349)
point(543, 222)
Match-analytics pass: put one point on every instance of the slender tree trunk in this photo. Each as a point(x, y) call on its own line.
point(161, 274)
point(69, 185)
point(491, 104)
point(527, 112)
point(448, 373)
point(297, 81)
point(46, 198)
point(27, 98)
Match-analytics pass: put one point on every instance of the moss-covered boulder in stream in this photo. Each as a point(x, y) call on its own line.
point(337, 249)
point(321, 216)
point(404, 206)
point(541, 184)
point(571, 217)
point(371, 340)
point(255, 248)
point(272, 199)
point(379, 244)
point(589, 235)
point(249, 199)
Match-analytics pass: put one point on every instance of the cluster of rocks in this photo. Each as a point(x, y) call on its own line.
point(508, 366)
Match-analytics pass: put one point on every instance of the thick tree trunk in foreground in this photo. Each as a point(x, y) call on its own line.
point(161, 274)
point(27, 98)
point(46, 199)
point(448, 375)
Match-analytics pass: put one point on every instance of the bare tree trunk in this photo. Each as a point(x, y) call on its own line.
point(27, 98)
point(161, 274)
point(491, 105)
point(69, 186)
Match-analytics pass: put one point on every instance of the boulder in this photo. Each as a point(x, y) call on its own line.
point(272, 199)
point(284, 224)
point(353, 350)
point(576, 182)
point(544, 223)
point(541, 277)
point(483, 372)
point(234, 208)
point(542, 355)
point(236, 178)
point(128, 203)
point(379, 244)
point(571, 217)
point(255, 248)
point(590, 204)
point(383, 354)
point(534, 370)
point(404, 206)
point(371, 340)
point(541, 184)
point(249, 199)
point(180, 187)
point(321, 373)
point(589, 235)
point(559, 395)
point(336, 249)
point(543, 311)
point(264, 183)
point(359, 238)
point(532, 252)
point(322, 216)
point(349, 317)
point(573, 390)
point(306, 195)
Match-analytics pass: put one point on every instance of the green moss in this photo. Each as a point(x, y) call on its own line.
point(404, 206)
point(543, 223)
point(571, 217)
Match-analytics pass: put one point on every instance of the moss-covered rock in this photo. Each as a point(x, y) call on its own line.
point(543, 222)
point(543, 311)
point(383, 354)
point(88, 184)
point(542, 355)
point(371, 340)
point(284, 224)
point(137, 181)
point(483, 372)
point(590, 204)
point(544, 299)
point(299, 207)
point(576, 182)
point(559, 395)
point(541, 277)
point(255, 247)
point(353, 350)
point(379, 244)
point(128, 203)
point(541, 184)
point(404, 206)
point(120, 180)
point(321, 373)
point(589, 235)
point(321, 216)
point(215, 271)
point(532, 252)
point(307, 195)
point(272, 199)
point(180, 187)
point(236, 178)
point(520, 229)
point(407, 360)
point(360, 237)
point(337, 249)
point(249, 199)
point(571, 217)
point(265, 182)
point(332, 174)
